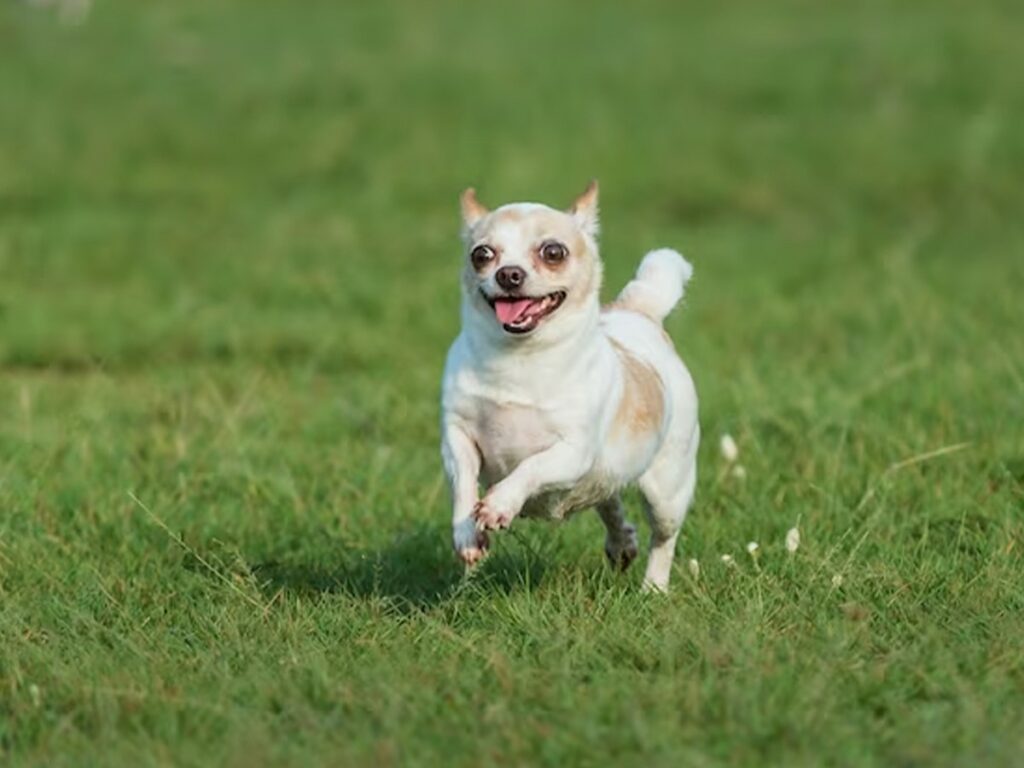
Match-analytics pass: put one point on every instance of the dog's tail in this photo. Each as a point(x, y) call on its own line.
point(658, 285)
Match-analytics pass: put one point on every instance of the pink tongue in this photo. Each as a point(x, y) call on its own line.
point(508, 311)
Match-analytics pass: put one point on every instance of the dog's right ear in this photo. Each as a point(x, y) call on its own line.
point(472, 209)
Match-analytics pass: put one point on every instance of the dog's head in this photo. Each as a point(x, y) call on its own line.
point(529, 266)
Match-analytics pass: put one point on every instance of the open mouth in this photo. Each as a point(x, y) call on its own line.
point(521, 314)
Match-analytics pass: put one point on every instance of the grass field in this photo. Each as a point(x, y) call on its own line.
point(228, 278)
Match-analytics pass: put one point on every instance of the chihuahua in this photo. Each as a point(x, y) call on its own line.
point(556, 403)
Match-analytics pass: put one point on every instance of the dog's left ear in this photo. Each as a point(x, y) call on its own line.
point(584, 209)
point(472, 209)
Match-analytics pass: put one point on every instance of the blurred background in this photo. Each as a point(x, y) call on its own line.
point(223, 181)
point(228, 278)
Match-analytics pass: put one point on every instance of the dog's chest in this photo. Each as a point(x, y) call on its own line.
point(507, 434)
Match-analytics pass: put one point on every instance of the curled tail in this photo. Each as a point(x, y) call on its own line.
point(658, 285)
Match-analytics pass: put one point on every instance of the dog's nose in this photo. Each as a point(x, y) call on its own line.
point(510, 278)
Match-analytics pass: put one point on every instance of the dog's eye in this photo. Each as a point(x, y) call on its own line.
point(481, 256)
point(553, 252)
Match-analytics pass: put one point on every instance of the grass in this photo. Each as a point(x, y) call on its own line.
point(228, 258)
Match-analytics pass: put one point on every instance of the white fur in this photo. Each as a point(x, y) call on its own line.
point(532, 416)
point(659, 283)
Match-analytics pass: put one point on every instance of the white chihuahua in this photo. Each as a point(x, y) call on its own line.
point(555, 402)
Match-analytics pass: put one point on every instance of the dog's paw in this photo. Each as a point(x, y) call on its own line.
point(490, 516)
point(622, 550)
point(473, 555)
point(470, 544)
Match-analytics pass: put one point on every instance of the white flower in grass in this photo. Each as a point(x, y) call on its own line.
point(730, 451)
point(694, 567)
point(837, 580)
point(727, 559)
point(792, 540)
point(752, 548)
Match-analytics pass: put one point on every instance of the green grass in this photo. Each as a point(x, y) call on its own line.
point(228, 278)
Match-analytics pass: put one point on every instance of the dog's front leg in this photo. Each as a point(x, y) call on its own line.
point(560, 466)
point(462, 466)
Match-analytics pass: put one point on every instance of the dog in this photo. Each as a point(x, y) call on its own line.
point(556, 403)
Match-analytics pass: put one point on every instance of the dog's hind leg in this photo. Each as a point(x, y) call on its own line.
point(620, 545)
point(668, 490)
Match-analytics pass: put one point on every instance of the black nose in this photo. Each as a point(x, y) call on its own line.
point(510, 278)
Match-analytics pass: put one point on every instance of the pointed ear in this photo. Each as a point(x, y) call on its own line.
point(472, 209)
point(584, 209)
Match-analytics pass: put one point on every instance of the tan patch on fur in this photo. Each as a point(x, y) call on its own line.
point(542, 266)
point(472, 209)
point(586, 200)
point(507, 216)
point(575, 246)
point(631, 302)
point(642, 408)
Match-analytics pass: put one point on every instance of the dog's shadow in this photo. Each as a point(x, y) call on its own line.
point(416, 570)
